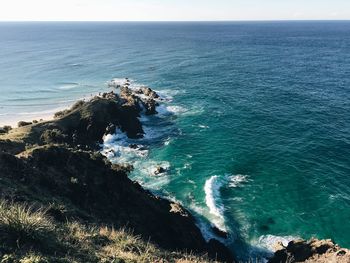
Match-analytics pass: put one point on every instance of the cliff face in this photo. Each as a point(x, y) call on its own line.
point(61, 167)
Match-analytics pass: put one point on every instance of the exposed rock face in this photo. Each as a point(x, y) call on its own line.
point(148, 92)
point(314, 250)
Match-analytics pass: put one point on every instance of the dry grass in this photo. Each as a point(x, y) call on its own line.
point(28, 235)
point(23, 224)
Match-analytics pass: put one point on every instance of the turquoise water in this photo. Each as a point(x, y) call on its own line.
point(256, 130)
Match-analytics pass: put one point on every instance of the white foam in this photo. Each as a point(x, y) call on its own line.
point(176, 109)
point(168, 94)
point(117, 82)
point(237, 180)
point(269, 242)
point(213, 200)
point(116, 148)
point(167, 141)
point(148, 168)
point(68, 86)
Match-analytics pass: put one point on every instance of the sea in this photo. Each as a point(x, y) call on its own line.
point(254, 129)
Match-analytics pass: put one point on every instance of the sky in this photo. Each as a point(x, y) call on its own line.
point(173, 10)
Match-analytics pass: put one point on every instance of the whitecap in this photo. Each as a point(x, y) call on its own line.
point(213, 200)
point(237, 180)
point(170, 110)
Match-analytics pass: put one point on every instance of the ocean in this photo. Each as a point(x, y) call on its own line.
point(254, 134)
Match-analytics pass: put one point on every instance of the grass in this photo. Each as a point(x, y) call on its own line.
point(21, 224)
point(29, 235)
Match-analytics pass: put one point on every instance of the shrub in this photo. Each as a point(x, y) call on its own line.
point(53, 136)
point(23, 123)
point(21, 224)
point(7, 128)
point(75, 106)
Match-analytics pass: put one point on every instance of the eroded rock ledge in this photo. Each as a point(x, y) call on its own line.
point(312, 251)
point(56, 162)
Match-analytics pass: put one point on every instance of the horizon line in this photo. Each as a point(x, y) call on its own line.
point(179, 21)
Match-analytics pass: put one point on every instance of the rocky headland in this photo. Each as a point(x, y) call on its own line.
point(62, 201)
point(55, 166)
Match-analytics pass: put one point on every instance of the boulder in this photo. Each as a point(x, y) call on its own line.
point(159, 170)
point(219, 232)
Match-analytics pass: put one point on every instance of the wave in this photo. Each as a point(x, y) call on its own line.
point(68, 86)
point(213, 200)
point(269, 242)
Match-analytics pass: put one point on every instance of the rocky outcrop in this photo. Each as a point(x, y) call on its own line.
point(56, 162)
point(312, 251)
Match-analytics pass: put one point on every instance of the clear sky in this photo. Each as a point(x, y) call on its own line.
point(172, 10)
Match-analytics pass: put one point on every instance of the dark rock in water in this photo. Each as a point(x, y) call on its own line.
point(220, 252)
point(150, 106)
point(264, 228)
point(148, 92)
point(133, 146)
point(111, 129)
point(219, 232)
point(159, 170)
point(312, 251)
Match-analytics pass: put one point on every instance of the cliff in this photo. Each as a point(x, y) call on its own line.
point(52, 171)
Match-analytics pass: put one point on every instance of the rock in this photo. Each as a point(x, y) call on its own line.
point(219, 232)
point(220, 252)
point(159, 170)
point(148, 92)
point(311, 251)
point(150, 106)
point(133, 146)
point(111, 129)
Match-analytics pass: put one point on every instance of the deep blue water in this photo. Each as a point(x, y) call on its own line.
point(259, 139)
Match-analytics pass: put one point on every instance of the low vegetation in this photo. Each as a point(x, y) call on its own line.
point(29, 235)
